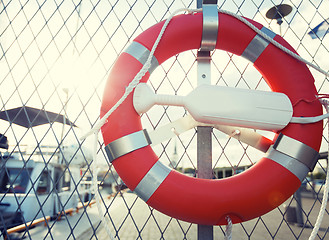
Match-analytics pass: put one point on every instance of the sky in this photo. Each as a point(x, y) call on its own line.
point(57, 55)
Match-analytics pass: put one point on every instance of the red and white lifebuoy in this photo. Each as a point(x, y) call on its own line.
point(258, 190)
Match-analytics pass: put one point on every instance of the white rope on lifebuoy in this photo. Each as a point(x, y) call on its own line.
point(275, 43)
point(228, 230)
point(138, 76)
point(318, 222)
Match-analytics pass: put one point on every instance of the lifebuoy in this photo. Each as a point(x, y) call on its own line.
point(256, 191)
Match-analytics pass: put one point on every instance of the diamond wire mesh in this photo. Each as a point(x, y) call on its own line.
point(56, 56)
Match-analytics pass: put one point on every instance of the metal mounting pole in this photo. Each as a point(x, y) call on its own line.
point(204, 143)
point(204, 134)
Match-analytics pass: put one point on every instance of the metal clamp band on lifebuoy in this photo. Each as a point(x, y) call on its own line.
point(256, 191)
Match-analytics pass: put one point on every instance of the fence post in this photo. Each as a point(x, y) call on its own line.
point(204, 164)
point(204, 134)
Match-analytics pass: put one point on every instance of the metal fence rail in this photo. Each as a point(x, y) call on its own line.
point(55, 59)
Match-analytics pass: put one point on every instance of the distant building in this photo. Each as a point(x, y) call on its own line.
point(225, 172)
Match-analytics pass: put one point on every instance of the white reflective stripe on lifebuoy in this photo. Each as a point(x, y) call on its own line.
point(210, 27)
point(152, 180)
point(296, 149)
point(257, 45)
point(141, 53)
point(127, 144)
point(294, 155)
point(293, 165)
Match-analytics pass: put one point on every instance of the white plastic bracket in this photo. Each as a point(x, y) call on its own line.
point(186, 123)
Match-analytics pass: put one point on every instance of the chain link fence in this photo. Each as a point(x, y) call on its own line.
point(55, 59)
